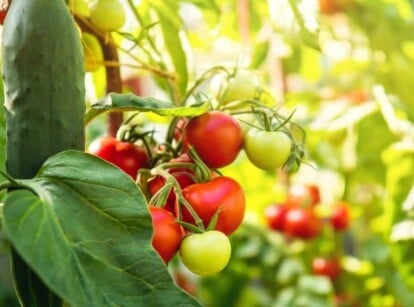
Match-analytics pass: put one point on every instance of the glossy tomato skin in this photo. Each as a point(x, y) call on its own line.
point(302, 223)
point(304, 195)
point(222, 193)
point(267, 150)
point(216, 136)
point(275, 216)
point(167, 233)
point(329, 267)
point(127, 156)
point(340, 216)
point(205, 253)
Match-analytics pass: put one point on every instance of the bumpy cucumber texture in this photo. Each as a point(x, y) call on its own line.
point(43, 75)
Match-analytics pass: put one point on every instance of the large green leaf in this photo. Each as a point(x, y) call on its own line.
point(84, 228)
point(130, 102)
point(30, 290)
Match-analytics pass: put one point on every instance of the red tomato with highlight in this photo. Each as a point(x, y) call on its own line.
point(303, 195)
point(216, 136)
point(127, 156)
point(329, 267)
point(302, 223)
point(167, 233)
point(275, 216)
point(220, 193)
point(340, 216)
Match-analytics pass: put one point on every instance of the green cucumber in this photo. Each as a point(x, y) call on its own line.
point(43, 75)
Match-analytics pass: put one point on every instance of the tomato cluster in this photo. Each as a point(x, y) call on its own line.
point(297, 217)
point(301, 216)
point(194, 207)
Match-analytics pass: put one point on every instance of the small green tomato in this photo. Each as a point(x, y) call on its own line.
point(205, 253)
point(107, 15)
point(267, 150)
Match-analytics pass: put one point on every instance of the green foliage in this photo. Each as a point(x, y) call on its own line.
point(66, 224)
point(130, 102)
point(399, 208)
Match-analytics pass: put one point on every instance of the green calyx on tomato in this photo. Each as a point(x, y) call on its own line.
point(221, 194)
point(267, 150)
point(205, 253)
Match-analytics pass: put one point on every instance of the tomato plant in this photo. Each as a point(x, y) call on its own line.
point(205, 253)
point(127, 156)
point(167, 233)
point(309, 116)
point(216, 137)
point(267, 150)
point(221, 195)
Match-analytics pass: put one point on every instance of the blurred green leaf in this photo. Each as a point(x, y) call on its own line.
point(171, 28)
point(319, 285)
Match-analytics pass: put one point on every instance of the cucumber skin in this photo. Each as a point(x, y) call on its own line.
point(43, 74)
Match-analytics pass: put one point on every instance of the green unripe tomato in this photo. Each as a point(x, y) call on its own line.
point(240, 87)
point(79, 7)
point(205, 253)
point(107, 15)
point(92, 50)
point(267, 150)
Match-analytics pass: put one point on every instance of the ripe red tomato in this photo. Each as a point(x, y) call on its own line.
point(221, 193)
point(167, 233)
point(302, 223)
point(275, 216)
point(340, 216)
point(127, 156)
point(216, 136)
point(329, 267)
point(303, 195)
